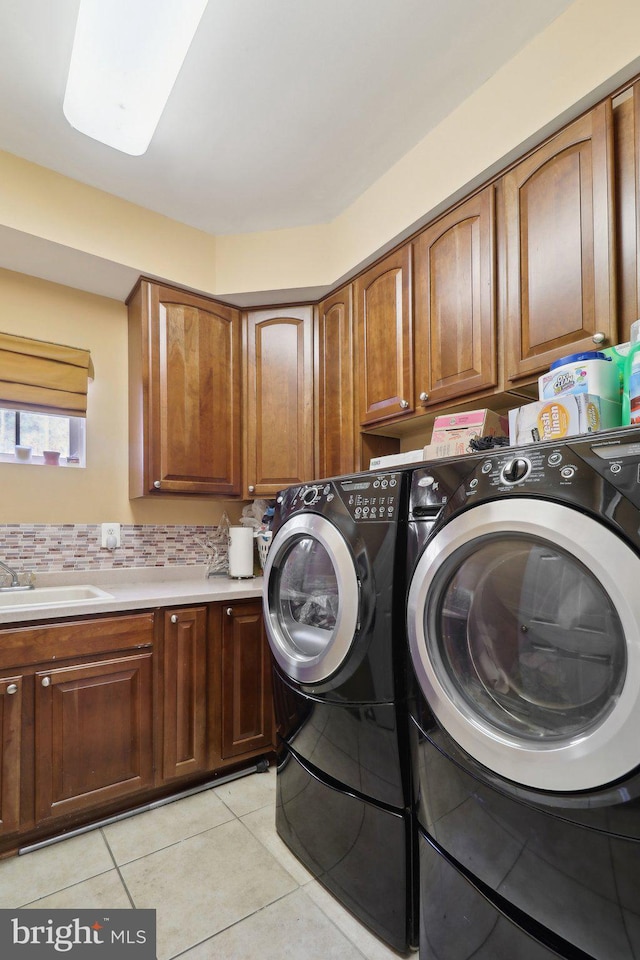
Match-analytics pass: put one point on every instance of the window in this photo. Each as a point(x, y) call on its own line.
point(40, 432)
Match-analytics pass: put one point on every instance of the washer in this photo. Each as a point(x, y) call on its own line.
point(524, 634)
point(334, 610)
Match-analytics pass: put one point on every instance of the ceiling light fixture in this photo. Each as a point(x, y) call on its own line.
point(125, 60)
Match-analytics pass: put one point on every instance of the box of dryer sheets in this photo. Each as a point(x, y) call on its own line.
point(395, 459)
point(462, 427)
point(565, 416)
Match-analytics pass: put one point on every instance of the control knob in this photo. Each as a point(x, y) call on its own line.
point(515, 470)
point(311, 495)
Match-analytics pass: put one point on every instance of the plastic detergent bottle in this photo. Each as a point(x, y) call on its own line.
point(631, 379)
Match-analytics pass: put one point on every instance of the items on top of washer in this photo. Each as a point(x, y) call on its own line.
point(453, 432)
point(565, 416)
point(631, 379)
point(591, 372)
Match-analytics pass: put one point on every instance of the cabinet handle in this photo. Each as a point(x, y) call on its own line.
point(251, 488)
point(174, 618)
point(229, 611)
point(599, 338)
point(157, 484)
point(404, 404)
point(12, 688)
point(424, 396)
point(46, 681)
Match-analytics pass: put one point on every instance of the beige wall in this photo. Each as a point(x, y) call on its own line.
point(33, 494)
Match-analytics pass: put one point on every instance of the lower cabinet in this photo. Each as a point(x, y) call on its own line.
point(246, 701)
point(93, 733)
point(98, 715)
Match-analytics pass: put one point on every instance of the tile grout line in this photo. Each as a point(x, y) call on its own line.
point(118, 870)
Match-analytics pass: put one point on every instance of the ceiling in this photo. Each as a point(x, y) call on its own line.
point(284, 112)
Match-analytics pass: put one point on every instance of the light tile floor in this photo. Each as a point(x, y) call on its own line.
point(223, 884)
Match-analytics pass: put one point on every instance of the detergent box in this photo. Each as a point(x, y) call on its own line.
point(565, 416)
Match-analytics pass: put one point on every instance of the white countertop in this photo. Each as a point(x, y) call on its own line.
point(137, 588)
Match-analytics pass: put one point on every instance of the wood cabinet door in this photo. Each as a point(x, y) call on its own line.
point(382, 304)
point(185, 692)
point(279, 399)
point(335, 407)
point(10, 752)
point(455, 315)
point(247, 702)
point(560, 271)
point(93, 733)
point(188, 359)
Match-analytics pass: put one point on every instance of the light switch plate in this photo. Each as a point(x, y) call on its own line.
point(111, 535)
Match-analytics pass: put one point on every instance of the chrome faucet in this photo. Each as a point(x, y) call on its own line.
point(15, 583)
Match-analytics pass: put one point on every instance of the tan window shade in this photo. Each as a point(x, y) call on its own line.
point(48, 377)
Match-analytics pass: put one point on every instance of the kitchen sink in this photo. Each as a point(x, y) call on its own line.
point(51, 597)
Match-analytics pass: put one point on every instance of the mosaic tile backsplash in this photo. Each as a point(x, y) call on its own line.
point(74, 546)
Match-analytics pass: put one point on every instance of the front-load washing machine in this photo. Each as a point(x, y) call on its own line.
point(524, 634)
point(334, 610)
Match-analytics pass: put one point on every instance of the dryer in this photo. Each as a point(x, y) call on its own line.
point(523, 620)
point(334, 610)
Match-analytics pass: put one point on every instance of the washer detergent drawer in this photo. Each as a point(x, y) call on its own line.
point(359, 851)
point(458, 921)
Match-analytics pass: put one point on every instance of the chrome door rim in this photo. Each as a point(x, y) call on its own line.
point(599, 756)
point(314, 669)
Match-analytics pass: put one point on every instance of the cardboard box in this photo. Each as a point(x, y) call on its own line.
point(462, 427)
point(565, 416)
point(446, 448)
point(395, 459)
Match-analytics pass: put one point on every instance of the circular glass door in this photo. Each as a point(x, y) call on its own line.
point(523, 629)
point(310, 598)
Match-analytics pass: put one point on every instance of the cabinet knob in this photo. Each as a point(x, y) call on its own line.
point(174, 618)
point(229, 611)
point(599, 338)
point(12, 688)
point(404, 404)
point(46, 681)
point(157, 484)
point(424, 396)
point(251, 488)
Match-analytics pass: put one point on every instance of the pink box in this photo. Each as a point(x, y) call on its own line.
point(462, 427)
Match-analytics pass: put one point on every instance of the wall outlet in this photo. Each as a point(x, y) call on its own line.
point(111, 535)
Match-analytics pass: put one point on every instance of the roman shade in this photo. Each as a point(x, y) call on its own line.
point(44, 377)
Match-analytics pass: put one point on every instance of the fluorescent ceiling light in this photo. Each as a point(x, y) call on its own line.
point(125, 60)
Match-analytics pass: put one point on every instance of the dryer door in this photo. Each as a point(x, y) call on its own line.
point(311, 598)
point(524, 630)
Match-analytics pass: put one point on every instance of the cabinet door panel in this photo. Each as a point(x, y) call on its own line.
point(10, 752)
point(335, 379)
point(385, 339)
point(185, 370)
point(93, 733)
point(560, 249)
point(185, 692)
point(279, 407)
point(247, 709)
point(455, 321)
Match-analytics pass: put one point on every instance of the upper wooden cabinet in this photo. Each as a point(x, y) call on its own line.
point(334, 377)
point(455, 316)
point(559, 236)
point(382, 303)
point(184, 403)
point(278, 412)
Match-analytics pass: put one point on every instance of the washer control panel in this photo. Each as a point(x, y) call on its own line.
point(366, 497)
point(374, 498)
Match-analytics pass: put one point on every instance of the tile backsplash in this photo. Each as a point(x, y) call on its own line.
point(76, 546)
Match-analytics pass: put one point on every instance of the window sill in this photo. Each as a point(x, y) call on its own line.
point(38, 462)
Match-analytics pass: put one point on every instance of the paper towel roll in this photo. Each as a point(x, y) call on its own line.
point(240, 552)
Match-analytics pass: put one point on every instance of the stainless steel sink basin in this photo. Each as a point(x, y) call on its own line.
point(51, 597)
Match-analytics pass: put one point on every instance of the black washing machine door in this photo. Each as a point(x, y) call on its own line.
point(524, 632)
point(311, 598)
